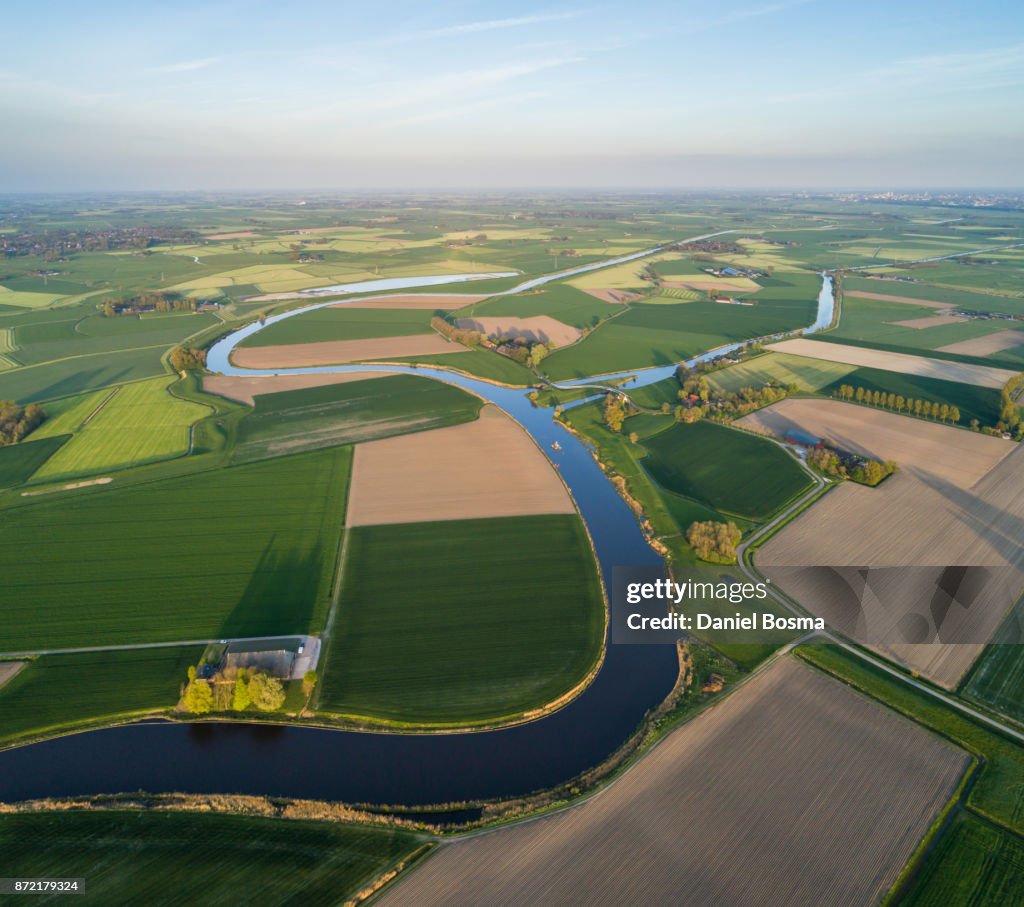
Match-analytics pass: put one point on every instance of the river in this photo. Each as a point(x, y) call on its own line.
point(385, 768)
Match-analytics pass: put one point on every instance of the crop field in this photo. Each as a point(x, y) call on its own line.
point(59, 692)
point(987, 345)
point(153, 855)
point(480, 363)
point(974, 862)
point(423, 631)
point(915, 519)
point(486, 468)
point(297, 420)
point(536, 328)
point(66, 415)
point(567, 304)
point(336, 352)
point(917, 366)
point(819, 794)
point(933, 293)
point(18, 462)
point(809, 375)
point(244, 551)
point(342, 323)
point(958, 457)
point(649, 335)
point(243, 389)
point(139, 423)
point(726, 469)
point(998, 679)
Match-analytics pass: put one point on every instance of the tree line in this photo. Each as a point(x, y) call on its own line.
point(236, 690)
point(833, 463)
point(148, 302)
point(943, 412)
point(17, 422)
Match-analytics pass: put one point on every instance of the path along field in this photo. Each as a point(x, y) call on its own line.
point(941, 510)
point(245, 390)
point(487, 468)
point(540, 328)
point(987, 345)
point(980, 375)
point(338, 352)
point(817, 793)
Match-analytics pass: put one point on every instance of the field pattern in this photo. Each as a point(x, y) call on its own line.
point(18, 462)
point(818, 794)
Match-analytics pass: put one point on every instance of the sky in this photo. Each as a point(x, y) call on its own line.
point(245, 94)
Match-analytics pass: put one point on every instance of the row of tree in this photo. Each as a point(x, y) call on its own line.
point(17, 422)
point(148, 302)
point(833, 463)
point(235, 690)
point(713, 541)
point(944, 412)
point(616, 410)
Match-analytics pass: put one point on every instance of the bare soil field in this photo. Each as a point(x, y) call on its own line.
point(447, 301)
point(616, 296)
point(817, 793)
point(884, 297)
point(244, 390)
point(979, 375)
point(337, 352)
point(915, 519)
point(487, 468)
point(696, 282)
point(8, 669)
point(930, 321)
point(542, 328)
point(985, 346)
point(954, 455)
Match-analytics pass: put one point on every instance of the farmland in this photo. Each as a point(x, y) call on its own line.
point(153, 855)
point(245, 551)
point(809, 375)
point(858, 784)
point(59, 692)
point(420, 599)
point(725, 469)
point(139, 423)
point(337, 352)
point(19, 461)
point(559, 300)
point(305, 419)
point(342, 323)
point(997, 679)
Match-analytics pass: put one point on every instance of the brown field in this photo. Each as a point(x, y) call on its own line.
point(793, 790)
point(244, 390)
point(929, 321)
point(447, 301)
point(337, 352)
point(915, 519)
point(884, 297)
point(487, 468)
point(954, 455)
point(696, 282)
point(616, 296)
point(985, 346)
point(8, 669)
point(542, 328)
point(980, 375)
point(242, 234)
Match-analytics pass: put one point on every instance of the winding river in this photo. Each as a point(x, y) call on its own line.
point(386, 768)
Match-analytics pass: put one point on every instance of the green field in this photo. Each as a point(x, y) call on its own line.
point(165, 858)
point(997, 679)
point(244, 551)
point(651, 335)
point(724, 468)
point(981, 403)
point(481, 364)
point(463, 621)
point(335, 414)
point(962, 298)
point(19, 461)
point(559, 300)
point(810, 375)
point(974, 862)
point(59, 692)
point(139, 423)
point(66, 415)
point(339, 323)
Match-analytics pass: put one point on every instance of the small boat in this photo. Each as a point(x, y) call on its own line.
point(556, 446)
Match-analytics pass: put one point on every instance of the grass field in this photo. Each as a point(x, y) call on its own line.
point(810, 375)
point(649, 335)
point(725, 469)
point(566, 303)
point(66, 415)
point(164, 858)
point(463, 621)
point(140, 423)
point(480, 363)
point(244, 551)
point(19, 461)
point(339, 323)
point(335, 414)
point(974, 862)
point(59, 692)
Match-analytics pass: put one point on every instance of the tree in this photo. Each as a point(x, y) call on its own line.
point(191, 673)
point(890, 400)
point(918, 407)
point(198, 697)
point(900, 403)
point(241, 699)
point(860, 394)
point(614, 411)
point(975, 425)
point(633, 437)
point(926, 409)
point(309, 680)
point(714, 542)
point(266, 692)
point(876, 397)
point(944, 412)
point(954, 414)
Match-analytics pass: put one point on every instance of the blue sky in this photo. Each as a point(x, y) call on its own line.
point(244, 94)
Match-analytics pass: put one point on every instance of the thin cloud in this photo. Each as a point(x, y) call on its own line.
point(185, 65)
point(471, 28)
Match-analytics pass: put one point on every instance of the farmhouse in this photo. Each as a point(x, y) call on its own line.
point(275, 657)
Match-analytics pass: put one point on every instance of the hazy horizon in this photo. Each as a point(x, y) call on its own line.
point(648, 96)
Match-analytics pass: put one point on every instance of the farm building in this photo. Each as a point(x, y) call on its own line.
point(275, 657)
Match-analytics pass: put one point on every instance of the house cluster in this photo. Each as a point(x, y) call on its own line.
point(734, 271)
